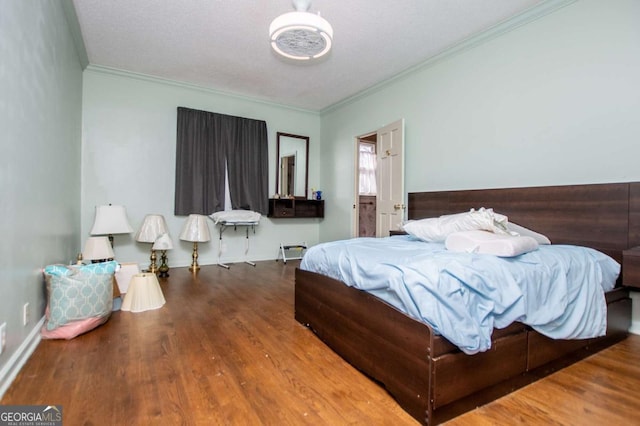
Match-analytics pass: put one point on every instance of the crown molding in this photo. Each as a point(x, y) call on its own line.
point(100, 69)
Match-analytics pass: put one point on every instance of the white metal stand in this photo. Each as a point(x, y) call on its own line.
point(235, 225)
point(299, 248)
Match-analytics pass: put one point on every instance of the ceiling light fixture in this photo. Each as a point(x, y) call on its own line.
point(301, 35)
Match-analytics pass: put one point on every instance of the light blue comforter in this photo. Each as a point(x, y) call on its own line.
point(558, 290)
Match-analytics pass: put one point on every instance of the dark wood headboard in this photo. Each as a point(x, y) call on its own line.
point(605, 217)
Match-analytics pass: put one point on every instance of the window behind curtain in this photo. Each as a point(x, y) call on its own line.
point(205, 142)
point(367, 160)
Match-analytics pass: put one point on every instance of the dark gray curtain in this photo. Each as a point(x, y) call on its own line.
point(205, 141)
point(247, 161)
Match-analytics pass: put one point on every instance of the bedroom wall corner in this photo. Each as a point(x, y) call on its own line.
point(40, 100)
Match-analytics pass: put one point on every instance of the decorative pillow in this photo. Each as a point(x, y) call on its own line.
point(73, 328)
point(78, 292)
point(517, 230)
point(437, 229)
point(485, 242)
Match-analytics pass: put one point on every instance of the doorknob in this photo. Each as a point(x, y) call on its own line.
point(398, 206)
point(388, 153)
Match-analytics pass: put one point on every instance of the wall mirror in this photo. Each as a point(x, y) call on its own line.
point(292, 168)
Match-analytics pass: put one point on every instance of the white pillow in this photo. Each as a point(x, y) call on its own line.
point(436, 229)
point(517, 230)
point(485, 242)
point(235, 216)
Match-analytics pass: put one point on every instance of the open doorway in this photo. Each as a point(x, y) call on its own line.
point(367, 187)
point(379, 181)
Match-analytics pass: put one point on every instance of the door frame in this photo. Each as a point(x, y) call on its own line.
point(355, 231)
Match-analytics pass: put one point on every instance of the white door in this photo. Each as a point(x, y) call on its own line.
point(390, 167)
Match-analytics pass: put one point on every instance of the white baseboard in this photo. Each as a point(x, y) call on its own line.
point(19, 358)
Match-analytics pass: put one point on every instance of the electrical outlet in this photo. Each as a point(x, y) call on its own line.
point(3, 336)
point(25, 314)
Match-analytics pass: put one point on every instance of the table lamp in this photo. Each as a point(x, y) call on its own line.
point(97, 249)
point(111, 220)
point(163, 243)
point(196, 230)
point(152, 227)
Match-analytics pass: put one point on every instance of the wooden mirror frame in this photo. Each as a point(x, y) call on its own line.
point(306, 165)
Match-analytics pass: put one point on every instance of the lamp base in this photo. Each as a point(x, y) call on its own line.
point(153, 267)
point(163, 270)
point(194, 256)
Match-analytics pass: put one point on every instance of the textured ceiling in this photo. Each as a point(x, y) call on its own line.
point(224, 44)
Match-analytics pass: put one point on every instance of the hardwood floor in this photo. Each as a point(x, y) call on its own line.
point(225, 349)
point(600, 390)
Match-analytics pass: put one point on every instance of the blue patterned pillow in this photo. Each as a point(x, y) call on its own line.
point(78, 292)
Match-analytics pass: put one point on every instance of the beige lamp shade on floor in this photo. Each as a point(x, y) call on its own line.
point(144, 294)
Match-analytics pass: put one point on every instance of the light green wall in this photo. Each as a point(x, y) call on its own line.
point(556, 101)
point(129, 145)
point(40, 120)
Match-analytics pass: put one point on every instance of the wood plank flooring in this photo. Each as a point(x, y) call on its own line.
point(226, 350)
point(603, 389)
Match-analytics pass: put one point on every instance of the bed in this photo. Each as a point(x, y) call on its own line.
point(431, 378)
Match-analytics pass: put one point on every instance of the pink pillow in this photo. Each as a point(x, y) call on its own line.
point(72, 329)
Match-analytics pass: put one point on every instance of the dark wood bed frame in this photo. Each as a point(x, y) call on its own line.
point(428, 376)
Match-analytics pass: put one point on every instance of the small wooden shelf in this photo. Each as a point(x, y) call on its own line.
point(280, 208)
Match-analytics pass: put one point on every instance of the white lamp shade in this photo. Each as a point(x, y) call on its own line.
point(144, 294)
point(97, 248)
point(195, 229)
point(111, 220)
point(164, 242)
point(152, 227)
